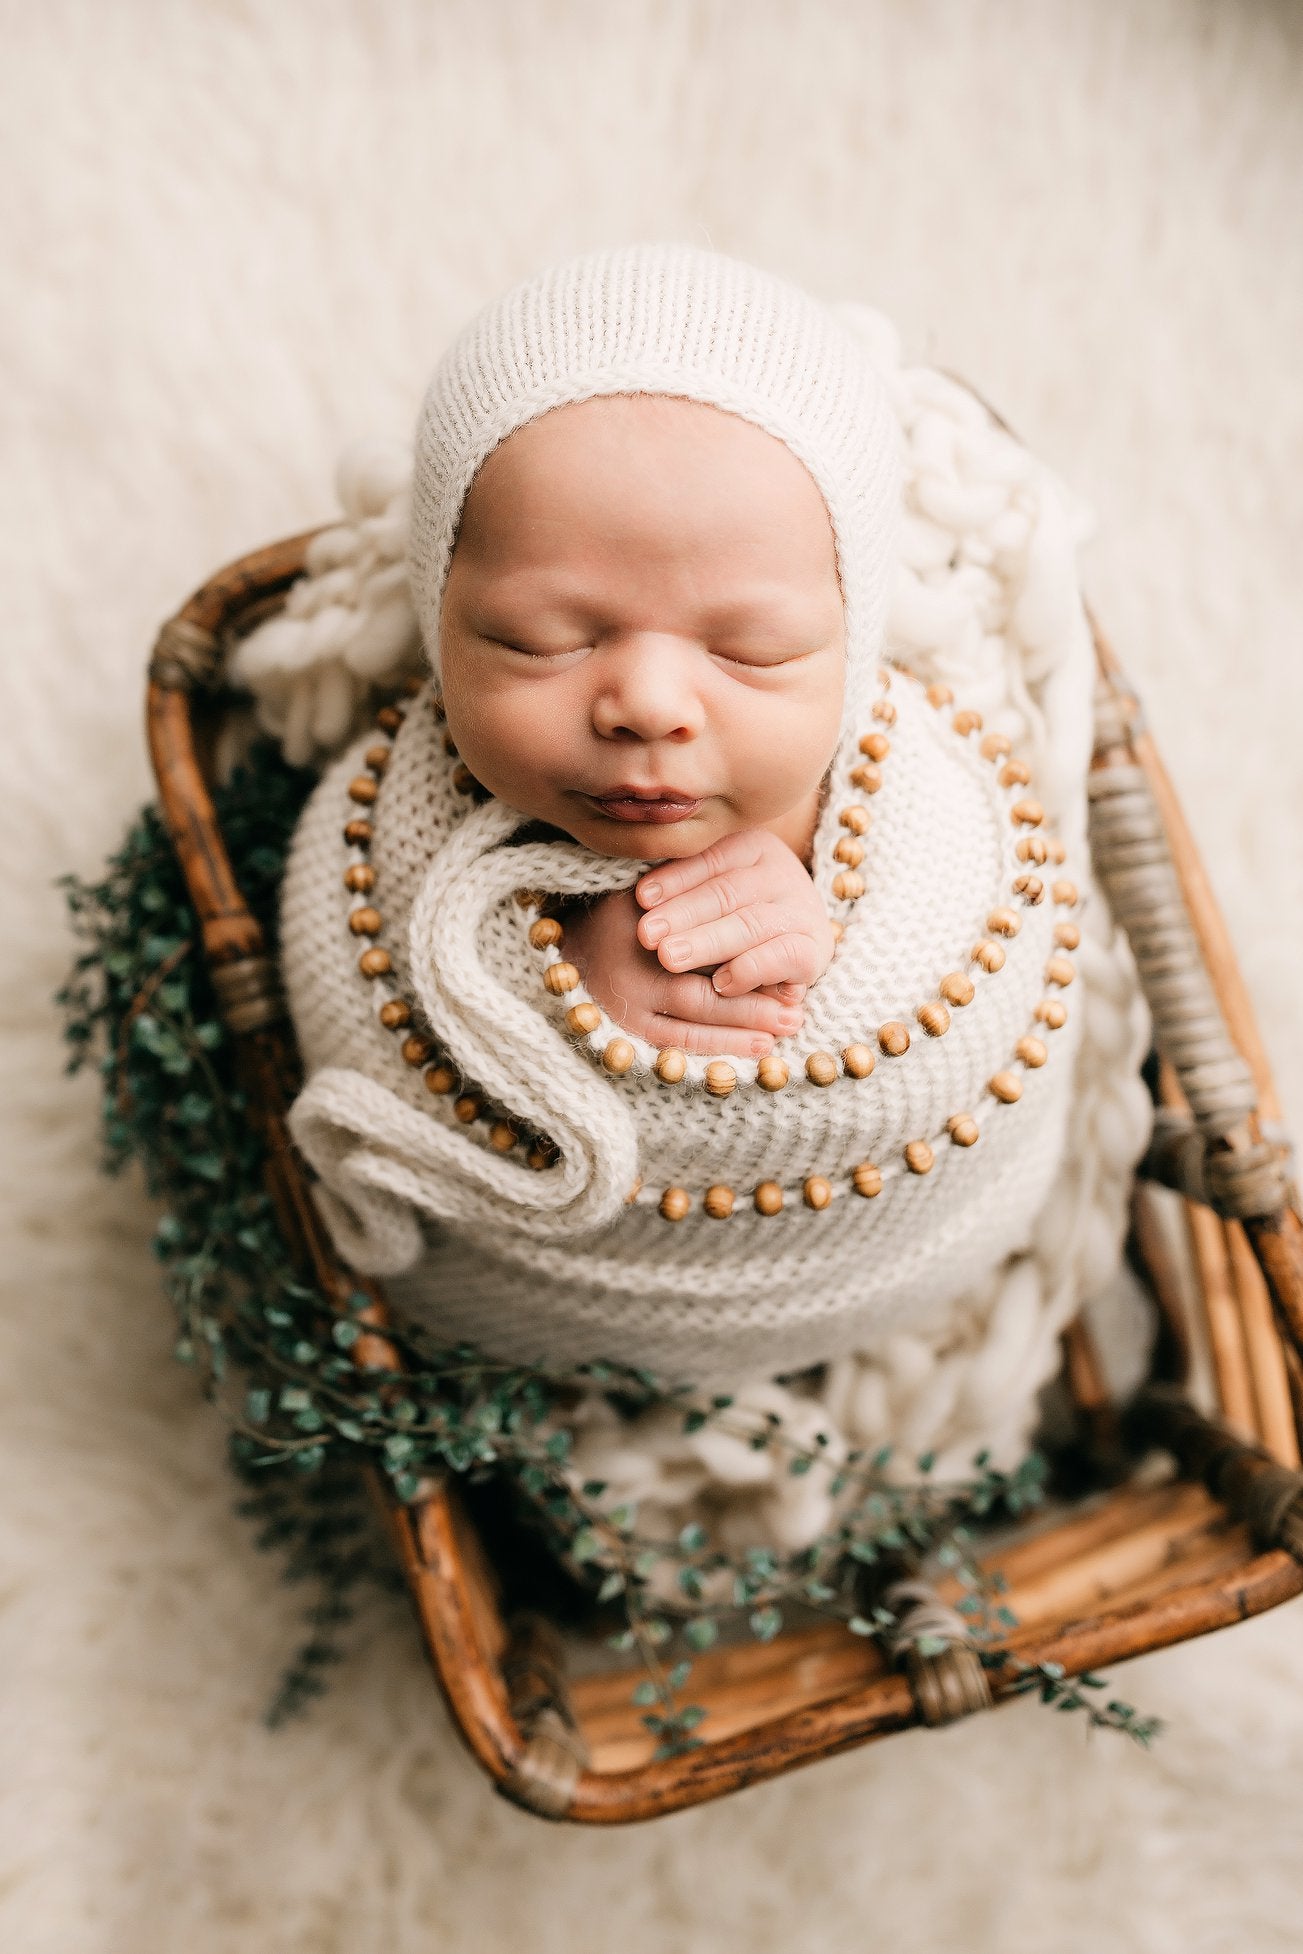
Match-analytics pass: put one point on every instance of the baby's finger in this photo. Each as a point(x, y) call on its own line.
point(704, 1041)
point(724, 894)
point(740, 850)
point(781, 961)
point(695, 999)
point(727, 937)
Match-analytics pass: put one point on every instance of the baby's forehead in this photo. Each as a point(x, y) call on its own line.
point(647, 461)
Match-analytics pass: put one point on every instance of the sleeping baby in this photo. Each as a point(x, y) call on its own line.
point(680, 981)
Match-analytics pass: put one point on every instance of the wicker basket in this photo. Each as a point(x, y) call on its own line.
point(1126, 1570)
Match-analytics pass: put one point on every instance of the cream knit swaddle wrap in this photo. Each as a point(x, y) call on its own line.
point(556, 1266)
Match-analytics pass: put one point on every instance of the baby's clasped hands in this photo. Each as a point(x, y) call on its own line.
point(745, 910)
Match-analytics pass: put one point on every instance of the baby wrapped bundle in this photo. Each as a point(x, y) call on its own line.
point(925, 1184)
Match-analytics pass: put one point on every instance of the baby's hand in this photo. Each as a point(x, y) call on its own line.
point(642, 996)
point(745, 908)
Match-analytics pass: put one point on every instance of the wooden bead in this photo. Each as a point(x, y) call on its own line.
point(1027, 814)
point(412, 685)
point(768, 1198)
point(934, 1018)
point(463, 779)
point(858, 1061)
point(358, 834)
point(389, 719)
point(365, 922)
point(1031, 848)
point(884, 710)
point(1067, 936)
point(416, 1050)
point(989, 955)
point(850, 851)
point(848, 886)
point(919, 1157)
point(359, 878)
point(375, 963)
point(939, 695)
point(1058, 851)
point(995, 746)
point(377, 758)
point(1059, 971)
point(528, 899)
point(1030, 888)
point(559, 978)
point(363, 790)
point(618, 1056)
point(838, 929)
point(1003, 922)
point(1052, 1013)
point(1031, 1052)
point(468, 1108)
point(866, 778)
point(893, 1037)
point(956, 988)
point(1006, 1086)
point(856, 819)
point(771, 1074)
point(875, 746)
point(1065, 894)
point(720, 1078)
point(633, 1193)
point(675, 1202)
point(583, 1018)
point(817, 1192)
point(439, 1079)
point(821, 1068)
point(963, 1129)
point(394, 1013)
point(671, 1064)
point(718, 1202)
point(967, 722)
point(545, 932)
point(502, 1136)
point(1015, 773)
point(867, 1180)
point(542, 1154)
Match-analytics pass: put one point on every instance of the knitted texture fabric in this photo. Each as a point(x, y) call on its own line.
point(560, 1265)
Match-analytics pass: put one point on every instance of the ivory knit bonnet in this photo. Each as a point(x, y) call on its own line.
point(671, 319)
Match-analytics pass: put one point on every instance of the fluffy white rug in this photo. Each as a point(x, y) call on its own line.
point(236, 235)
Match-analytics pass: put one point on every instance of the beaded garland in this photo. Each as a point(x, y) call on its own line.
point(618, 1056)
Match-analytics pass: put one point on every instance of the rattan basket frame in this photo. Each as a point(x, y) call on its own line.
point(1130, 1569)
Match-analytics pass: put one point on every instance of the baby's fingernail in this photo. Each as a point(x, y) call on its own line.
point(760, 1046)
point(654, 931)
point(649, 891)
point(789, 1020)
point(722, 981)
point(677, 947)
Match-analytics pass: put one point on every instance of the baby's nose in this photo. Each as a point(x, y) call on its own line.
point(648, 688)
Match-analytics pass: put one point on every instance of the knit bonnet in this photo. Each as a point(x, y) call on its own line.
point(671, 319)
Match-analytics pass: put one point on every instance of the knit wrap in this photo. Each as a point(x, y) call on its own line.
point(560, 1265)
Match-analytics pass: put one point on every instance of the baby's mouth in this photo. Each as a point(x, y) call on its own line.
point(656, 811)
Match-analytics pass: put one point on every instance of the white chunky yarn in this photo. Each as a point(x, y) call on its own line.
point(987, 598)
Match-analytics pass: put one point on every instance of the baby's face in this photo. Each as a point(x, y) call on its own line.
point(642, 636)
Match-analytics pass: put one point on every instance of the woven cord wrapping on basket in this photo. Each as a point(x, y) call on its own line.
point(1209, 1155)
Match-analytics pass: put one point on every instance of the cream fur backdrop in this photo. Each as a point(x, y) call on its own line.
point(237, 234)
